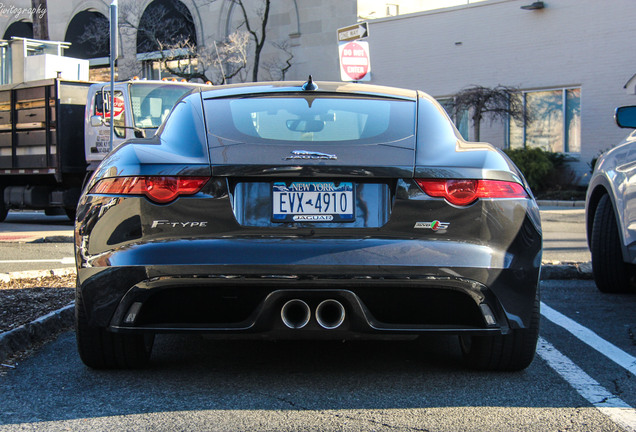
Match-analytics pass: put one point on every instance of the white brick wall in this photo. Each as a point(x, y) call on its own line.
point(586, 43)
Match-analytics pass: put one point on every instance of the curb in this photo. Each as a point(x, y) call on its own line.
point(27, 237)
point(561, 271)
point(561, 203)
point(54, 239)
point(32, 274)
point(30, 334)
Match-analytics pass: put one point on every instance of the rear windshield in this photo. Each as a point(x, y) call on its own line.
point(310, 118)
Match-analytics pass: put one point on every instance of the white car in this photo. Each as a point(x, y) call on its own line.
point(611, 212)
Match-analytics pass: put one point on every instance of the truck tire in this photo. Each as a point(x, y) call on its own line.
point(101, 349)
point(3, 210)
point(512, 352)
point(71, 213)
point(611, 273)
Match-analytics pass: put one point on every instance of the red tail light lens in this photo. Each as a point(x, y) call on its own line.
point(464, 192)
point(159, 189)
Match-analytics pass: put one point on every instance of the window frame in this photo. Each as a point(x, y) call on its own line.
point(564, 110)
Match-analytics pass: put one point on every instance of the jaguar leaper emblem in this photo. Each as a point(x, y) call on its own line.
point(305, 154)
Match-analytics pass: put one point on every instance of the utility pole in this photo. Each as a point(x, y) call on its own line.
point(114, 53)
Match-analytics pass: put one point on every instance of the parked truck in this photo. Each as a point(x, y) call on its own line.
point(54, 132)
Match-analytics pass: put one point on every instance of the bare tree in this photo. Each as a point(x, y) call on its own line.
point(258, 36)
point(498, 103)
point(157, 26)
point(277, 67)
point(169, 36)
point(217, 63)
point(95, 36)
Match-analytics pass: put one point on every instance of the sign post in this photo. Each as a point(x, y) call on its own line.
point(114, 53)
point(355, 62)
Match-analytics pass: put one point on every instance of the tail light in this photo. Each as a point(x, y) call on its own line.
point(464, 192)
point(159, 189)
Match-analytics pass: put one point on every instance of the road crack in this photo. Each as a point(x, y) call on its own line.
point(379, 423)
point(373, 422)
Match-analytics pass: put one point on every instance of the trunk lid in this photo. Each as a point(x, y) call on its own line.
point(310, 159)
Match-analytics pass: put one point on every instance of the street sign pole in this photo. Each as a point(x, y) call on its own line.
point(114, 53)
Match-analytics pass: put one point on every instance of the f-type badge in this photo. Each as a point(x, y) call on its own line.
point(304, 154)
point(435, 225)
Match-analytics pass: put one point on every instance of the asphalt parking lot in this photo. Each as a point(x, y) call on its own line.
point(583, 377)
point(578, 381)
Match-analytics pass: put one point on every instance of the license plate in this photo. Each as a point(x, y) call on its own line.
point(313, 202)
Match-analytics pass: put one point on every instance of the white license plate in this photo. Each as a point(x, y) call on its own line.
point(313, 202)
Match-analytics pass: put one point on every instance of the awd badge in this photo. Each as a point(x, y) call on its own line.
point(435, 225)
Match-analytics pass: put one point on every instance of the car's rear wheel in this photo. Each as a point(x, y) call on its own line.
point(511, 352)
point(101, 349)
point(611, 273)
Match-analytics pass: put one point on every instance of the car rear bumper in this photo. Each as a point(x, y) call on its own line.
point(235, 286)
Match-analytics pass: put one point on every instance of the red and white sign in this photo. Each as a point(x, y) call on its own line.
point(355, 63)
point(119, 108)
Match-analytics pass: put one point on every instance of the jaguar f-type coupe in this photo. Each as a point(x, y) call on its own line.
point(308, 210)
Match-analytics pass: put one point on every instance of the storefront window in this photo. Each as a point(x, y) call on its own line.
point(156, 69)
point(552, 123)
point(573, 120)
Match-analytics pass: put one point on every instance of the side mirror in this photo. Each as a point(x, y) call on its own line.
point(97, 121)
point(626, 116)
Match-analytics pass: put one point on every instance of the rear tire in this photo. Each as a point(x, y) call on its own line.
point(3, 210)
point(101, 349)
point(512, 352)
point(611, 273)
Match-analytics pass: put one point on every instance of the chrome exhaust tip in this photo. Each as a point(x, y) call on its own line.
point(330, 314)
point(295, 314)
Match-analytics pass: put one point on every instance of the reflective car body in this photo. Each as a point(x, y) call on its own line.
point(611, 211)
point(239, 253)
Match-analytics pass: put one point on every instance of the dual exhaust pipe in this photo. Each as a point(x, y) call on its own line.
point(296, 314)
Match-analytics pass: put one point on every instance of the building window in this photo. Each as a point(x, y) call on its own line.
point(166, 37)
point(157, 69)
point(553, 121)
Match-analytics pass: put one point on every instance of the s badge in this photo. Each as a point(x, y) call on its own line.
point(434, 225)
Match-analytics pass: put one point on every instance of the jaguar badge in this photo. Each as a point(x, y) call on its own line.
point(310, 155)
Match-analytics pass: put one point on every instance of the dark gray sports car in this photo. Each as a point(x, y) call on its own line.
point(308, 210)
